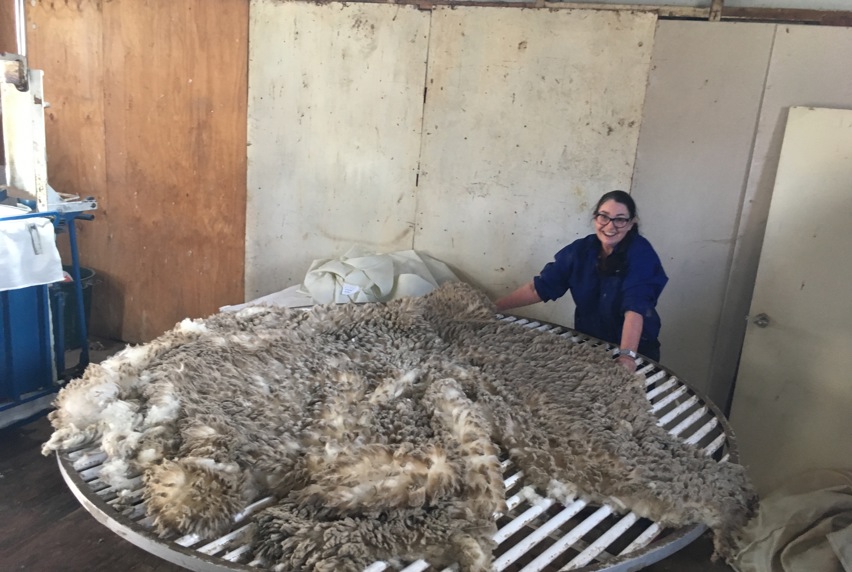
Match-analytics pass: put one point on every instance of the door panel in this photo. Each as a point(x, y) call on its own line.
point(792, 407)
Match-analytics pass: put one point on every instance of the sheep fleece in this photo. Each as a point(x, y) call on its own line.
point(377, 429)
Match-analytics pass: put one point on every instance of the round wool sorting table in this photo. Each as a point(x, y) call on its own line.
point(536, 533)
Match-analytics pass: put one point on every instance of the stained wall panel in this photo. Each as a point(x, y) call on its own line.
point(698, 126)
point(530, 116)
point(335, 110)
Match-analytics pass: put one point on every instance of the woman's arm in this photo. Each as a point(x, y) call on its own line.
point(523, 296)
point(630, 334)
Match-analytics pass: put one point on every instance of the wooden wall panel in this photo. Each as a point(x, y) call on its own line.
point(153, 97)
point(65, 40)
point(8, 42)
point(791, 408)
point(176, 114)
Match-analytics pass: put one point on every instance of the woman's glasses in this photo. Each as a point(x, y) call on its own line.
point(617, 222)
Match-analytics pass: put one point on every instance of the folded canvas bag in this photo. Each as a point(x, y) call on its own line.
point(361, 276)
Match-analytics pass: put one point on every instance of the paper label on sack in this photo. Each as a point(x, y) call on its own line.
point(349, 289)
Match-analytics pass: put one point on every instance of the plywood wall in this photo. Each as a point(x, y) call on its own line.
point(522, 126)
point(707, 156)
point(66, 42)
point(529, 116)
point(336, 103)
point(8, 34)
point(148, 107)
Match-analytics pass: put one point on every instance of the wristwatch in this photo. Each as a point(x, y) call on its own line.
point(623, 352)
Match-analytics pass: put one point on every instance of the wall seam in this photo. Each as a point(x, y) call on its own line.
point(415, 216)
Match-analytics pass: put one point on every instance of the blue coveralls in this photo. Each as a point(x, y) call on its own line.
point(602, 299)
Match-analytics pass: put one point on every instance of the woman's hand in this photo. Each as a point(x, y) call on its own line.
point(627, 363)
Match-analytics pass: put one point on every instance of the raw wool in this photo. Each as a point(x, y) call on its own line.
point(378, 428)
point(577, 423)
point(318, 539)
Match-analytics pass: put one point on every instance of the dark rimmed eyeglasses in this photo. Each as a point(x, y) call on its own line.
point(617, 222)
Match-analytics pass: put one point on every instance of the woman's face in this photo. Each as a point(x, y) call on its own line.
point(612, 214)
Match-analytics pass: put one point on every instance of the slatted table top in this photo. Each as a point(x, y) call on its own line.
point(536, 533)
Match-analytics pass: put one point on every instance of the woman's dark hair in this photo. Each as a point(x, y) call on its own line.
point(616, 263)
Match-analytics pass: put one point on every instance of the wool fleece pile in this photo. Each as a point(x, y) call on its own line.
point(377, 428)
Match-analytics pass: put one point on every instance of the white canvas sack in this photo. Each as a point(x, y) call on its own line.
point(360, 276)
point(28, 253)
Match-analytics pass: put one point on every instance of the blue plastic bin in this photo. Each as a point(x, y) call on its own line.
point(26, 355)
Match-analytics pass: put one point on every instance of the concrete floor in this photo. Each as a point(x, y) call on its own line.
point(45, 529)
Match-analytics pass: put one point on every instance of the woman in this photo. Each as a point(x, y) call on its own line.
point(615, 278)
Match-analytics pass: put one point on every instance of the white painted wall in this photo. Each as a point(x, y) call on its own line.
point(337, 128)
point(711, 135)
point(791, 408)
point(335, 109)
point(701, 110)
point(530, 117)
point(809, 66)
